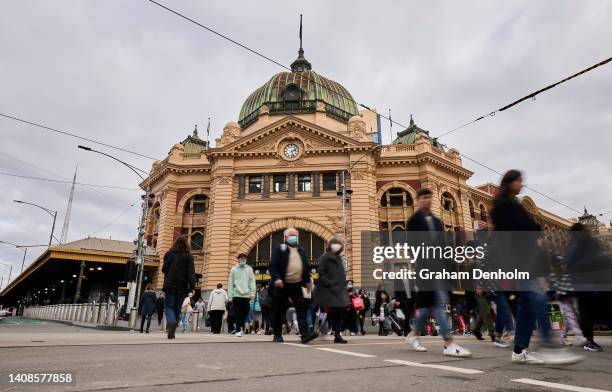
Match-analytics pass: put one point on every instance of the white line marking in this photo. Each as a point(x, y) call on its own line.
point(333, 350)
point(296, 344)
point(556, 385)
point(433, 366)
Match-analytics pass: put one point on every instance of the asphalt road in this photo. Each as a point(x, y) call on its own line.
point(130, 361)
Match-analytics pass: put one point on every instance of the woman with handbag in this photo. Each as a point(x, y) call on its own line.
point(331, 291)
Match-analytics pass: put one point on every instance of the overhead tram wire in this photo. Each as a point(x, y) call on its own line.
point(373, 111)
point(66, 133)
point(60, 176)
point(67, 182)
point(528, 96)
point(211, 30)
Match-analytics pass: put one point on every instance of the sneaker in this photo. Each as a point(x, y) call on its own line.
point(309, 337)
point(340, 339)
point(499, 343)
point(565, 341)
point(526, 357)
point(592, 346)
point(238, 334)
point(455, 350)
point(559, 357)
point(416, 343)
point(278, 339)
point(507, 337)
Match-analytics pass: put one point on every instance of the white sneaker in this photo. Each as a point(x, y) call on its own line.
point(559, 357)
point(565, 341)
point(239, 334)
point(499, 343)
point(455, 350)
point(526, 357)
point(416, 344)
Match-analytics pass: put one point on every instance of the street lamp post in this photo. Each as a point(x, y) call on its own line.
point(48, 211)
point(8, 281)
point(24, 249)
point(134, 294)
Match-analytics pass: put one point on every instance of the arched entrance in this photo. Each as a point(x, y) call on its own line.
point(260, 253)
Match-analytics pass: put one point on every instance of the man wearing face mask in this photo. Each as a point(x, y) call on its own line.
point(331, 291)
point(289, 272)
point(241, 289)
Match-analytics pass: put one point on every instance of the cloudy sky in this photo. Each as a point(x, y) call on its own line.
point(133, 75)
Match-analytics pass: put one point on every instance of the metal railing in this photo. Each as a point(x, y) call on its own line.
point(95, 313)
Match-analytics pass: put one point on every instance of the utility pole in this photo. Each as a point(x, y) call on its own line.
point(48, 211)
point(134, 292)
point(64, 235)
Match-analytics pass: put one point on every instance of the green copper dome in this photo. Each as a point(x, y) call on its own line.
point(298, 92)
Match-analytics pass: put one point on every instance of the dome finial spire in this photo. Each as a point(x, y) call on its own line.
point(300, 64)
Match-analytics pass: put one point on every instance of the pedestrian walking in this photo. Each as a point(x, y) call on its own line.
point(587, 263)
point(216, 308)
point(200, 308)
point(265, 301)
point(435, 297)
point(518, 247)
point(289, 272)
point(186, 312)
point(147, 306)
point(159, 305)
point(331, 293)
point(241, 288)
point(179, 278)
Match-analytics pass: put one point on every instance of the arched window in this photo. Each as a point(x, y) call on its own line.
point(472, 212)
point(198, 204)
point(448, 202)
point(396, 197)
point(483, 213)
point(259, 256)
point(195, 236)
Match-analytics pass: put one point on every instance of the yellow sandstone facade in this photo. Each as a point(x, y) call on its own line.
point(282, 165)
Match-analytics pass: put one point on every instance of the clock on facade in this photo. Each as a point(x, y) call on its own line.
point(291, 150)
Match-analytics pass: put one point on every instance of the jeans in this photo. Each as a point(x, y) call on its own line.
point(531, 307)
point(504, 317)
point(185, 320)
point(173, 301)
point(439, 310)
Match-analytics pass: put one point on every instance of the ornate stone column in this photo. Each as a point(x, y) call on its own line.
point(165, 234)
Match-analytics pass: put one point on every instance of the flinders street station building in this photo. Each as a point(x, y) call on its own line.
point(296, 140)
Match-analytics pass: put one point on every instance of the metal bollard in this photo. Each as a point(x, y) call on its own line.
point(102, 314)
point(195, 318)
point(133, 318)
point(88, 313)
point(110, 314)
point(96, 313)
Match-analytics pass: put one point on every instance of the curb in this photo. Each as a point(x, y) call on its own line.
point(100, 327)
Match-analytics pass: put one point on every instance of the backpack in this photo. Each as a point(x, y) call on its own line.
point(264, 297)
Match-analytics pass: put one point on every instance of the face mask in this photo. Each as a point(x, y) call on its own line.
point(336, 248)
point(292, 240)
point(349, 286)
point(242, 263)
point(190, 295)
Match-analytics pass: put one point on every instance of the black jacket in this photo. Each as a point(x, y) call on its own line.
point(148, 301)
point(420, 233)
point(331, 287)
point(179, 271)
point(514, 240)
point(279, 261)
